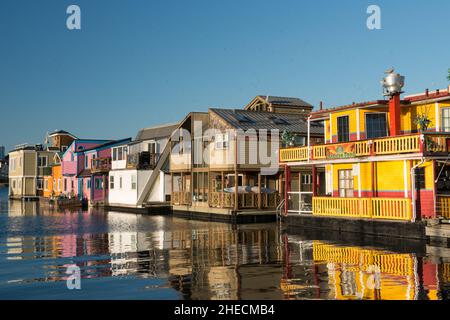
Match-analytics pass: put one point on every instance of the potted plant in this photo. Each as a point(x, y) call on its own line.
point(287, 139)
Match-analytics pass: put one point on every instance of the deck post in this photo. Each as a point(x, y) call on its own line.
point(221, 191)
point(259, 191)
point(171, 188)
point(287, 178)
point(314, 180)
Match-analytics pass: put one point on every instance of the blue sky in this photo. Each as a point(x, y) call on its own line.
point(140, 63)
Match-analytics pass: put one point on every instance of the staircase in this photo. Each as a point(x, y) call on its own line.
point(154, 176)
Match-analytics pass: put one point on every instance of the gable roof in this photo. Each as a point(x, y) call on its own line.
point(246, 119)
point(109, 144)
point(280, 101)
point(156, 132)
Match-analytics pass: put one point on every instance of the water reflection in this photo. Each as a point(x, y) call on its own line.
point(133, 256)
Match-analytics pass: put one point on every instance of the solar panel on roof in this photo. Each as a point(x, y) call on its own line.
point(276, 120)
point(242, 118)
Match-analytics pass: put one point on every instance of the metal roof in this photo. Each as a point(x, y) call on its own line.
point(162, 131)
point(246, 119)
point(285, 101)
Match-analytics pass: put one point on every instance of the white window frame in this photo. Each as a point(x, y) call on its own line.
point(445, 128)
point(40, 160)
point(222, 141)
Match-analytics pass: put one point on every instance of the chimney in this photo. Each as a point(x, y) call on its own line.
point(427, 92)
point(437, 91)
point(321, 105)
point(393, 84)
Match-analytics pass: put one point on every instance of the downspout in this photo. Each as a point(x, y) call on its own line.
point(413, 188)
point(309, 138)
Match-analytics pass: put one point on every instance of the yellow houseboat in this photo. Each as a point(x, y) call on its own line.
point(381, 160)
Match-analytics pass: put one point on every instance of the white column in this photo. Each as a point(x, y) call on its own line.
point(358, 129)
point(438, 120)
point(359, 175)
point(331, 130)
point(405, 178)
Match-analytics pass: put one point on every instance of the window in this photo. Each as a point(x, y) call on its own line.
point(152, 147)
point(86, 162)
point(376, 125)
point(14, 184)
point(65, 184)
point(46, 184)
point(39, 184)
point(114, 158)
point(222, 141)
point(133, 182)
point(59, 184)
point(42, 161)
point(64, 148)
point(88, 184)
point(13, 164)
point(343, 129)
point(446, 119)
point(120, 183)
point(111, 182)
point(120, 154)
point(346, 184)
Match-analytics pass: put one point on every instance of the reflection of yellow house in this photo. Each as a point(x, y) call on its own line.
point(357, 273)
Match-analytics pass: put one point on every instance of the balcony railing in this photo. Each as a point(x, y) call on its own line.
point(143, 160)
point(428, 143)
point(443, 206)
point(245, 201)
point(101, 165)
point(366, 208)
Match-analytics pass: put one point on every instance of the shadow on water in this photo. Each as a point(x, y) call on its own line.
point(127, 256)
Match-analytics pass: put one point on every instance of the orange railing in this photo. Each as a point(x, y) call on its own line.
point(369, 208)
point(416, 143)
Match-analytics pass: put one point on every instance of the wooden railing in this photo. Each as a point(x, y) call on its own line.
point(363, 208)
point(443, 206)
point(101, 165)
point(245, 201)
point(142, 160)
point(396, 145)
point(417, 143)
point(181, 198)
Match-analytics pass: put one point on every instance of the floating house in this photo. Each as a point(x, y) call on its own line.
point(223, 163)
point(29, 165)
point(139, 177)
point(93, 180)
point(53, 182)
point(384, 160)
point(73, 164)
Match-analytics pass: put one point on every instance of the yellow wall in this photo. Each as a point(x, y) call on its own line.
point(407, 118)
point(389, 176)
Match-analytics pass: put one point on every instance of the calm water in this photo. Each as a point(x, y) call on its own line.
point(127, 256)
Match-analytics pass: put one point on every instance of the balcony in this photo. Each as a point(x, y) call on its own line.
point(101, 165)
point(363, 208)
point(142, 160)
point(427, 144)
